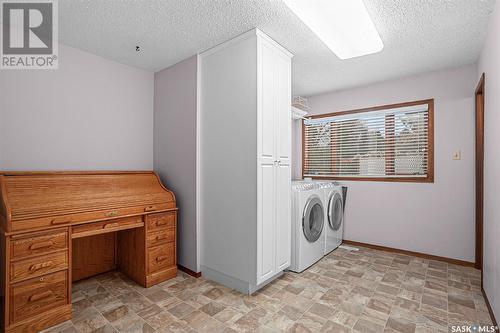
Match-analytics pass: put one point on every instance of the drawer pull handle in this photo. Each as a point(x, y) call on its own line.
point(111, 225)
point(150, 209)
point(36, 267)
point(158, 238)
point(54, 222)
point(161, 258)
point(40, 296)
point(41, 245)
point(112, 213)
point(160, 223)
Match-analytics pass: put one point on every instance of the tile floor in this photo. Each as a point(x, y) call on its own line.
point(363, 291)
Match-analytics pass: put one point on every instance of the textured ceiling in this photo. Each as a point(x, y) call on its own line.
point(419, 35)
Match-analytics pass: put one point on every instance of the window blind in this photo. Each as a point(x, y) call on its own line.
point(388, 143)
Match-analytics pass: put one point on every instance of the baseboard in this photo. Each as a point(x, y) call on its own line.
point(411, 253)
point(226, 280)
point(231, 282)
point(490, 310)
point(188, 271)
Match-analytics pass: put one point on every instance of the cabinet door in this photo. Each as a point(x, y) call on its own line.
point(268, 102)
point(274, 141)
point(283, 109)
point(266, 237)
point(283, 216)
point(283, 170)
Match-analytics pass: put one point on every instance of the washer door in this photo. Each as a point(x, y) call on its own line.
point(313, 219)
point(335, 211)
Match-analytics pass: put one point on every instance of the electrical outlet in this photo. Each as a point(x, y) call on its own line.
point(457, 155)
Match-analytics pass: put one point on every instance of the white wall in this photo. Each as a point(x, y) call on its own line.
point(436, 218)
point(175, 108)
point(489, 64)
point(91, 113)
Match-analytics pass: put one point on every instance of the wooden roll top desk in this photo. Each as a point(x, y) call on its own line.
point(59, 227)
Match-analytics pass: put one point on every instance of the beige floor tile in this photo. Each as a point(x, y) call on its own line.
point(437, 301)
point(280, 322)
point(181, 310)
point(150, 311)
point(322, 310)
point(159, 320)
point(89, 320)
point(407, 304)
point(176, 327)
point(228, 315)
point(345, 319)
point(401, 325)
point(433, 318)
point(366, 326)
point(132, 323)
point(212, 308)
point(461, 300)
point(312, 321)
point(332, 327)
point(298, 328)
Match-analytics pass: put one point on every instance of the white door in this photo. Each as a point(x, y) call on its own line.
point(266, 224)
point(267, 237)
point(283, 173)
point(274, 224)
point(283, 130)
point(283, 216)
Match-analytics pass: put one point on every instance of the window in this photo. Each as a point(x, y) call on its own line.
point(385, 143)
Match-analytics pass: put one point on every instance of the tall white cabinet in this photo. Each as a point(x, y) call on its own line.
point(245, 170)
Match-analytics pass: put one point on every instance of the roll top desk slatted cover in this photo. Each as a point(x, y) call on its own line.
point(36, 200)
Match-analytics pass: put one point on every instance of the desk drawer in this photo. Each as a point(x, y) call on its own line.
point(38, 295)
point(161, 236)
point(161, 221)
point(32, 267)
point(40, 243)
point(161, 257)
point(97, 228)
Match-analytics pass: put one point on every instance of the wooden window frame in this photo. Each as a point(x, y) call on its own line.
point(430, 144)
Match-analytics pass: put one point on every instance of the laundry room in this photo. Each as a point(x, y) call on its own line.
point(249, 166)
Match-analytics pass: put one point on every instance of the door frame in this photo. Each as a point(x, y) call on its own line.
point(479, 124)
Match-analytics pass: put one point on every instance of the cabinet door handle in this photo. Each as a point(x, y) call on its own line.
point(111, 225)
point(36, 267)
point(150, 209)
point(161, 258)
point(39, 296)
point(41, 245)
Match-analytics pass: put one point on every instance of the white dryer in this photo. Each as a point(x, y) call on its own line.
point(308, 221)
point(334, 211)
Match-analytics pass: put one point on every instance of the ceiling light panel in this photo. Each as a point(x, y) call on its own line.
point(343, 25)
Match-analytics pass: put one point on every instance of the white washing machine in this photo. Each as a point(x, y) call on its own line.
point(308, 224)
point(335, 196)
